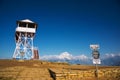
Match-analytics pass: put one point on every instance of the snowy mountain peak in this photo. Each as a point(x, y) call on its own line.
point(107, 59)
point(65, 55)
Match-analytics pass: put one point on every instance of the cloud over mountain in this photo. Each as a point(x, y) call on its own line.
point(111, 59)
point(107, 59)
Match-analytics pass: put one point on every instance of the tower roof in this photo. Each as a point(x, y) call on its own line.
point(26, 20)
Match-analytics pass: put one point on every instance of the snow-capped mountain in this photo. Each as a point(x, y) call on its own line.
point(67, 57)
point(107, 59)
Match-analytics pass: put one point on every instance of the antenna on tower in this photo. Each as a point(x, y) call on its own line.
point(24, 36)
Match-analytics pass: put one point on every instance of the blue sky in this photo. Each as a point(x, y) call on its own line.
point(63, 25)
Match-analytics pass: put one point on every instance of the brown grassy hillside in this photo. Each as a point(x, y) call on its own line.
point(43, 70)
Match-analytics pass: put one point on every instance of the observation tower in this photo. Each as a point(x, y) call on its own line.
point(24, 36)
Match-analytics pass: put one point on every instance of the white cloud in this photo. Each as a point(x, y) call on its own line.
point(48, 57)
point(110, 55)
point(82, 57)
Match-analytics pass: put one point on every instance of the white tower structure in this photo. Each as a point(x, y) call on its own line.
point(24, 36)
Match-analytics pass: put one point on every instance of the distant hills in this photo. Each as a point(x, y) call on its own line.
point(107, 59)
point(112, 60)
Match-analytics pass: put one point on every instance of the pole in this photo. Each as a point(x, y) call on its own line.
point(96, 72)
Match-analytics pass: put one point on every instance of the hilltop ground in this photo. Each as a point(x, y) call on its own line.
point(43, 70)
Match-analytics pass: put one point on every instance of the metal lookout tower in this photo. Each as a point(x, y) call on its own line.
point(24, 36)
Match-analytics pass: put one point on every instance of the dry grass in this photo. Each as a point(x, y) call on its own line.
point(41, 70)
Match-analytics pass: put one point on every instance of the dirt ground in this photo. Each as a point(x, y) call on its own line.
point(39, 70)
